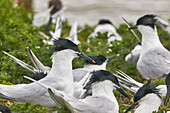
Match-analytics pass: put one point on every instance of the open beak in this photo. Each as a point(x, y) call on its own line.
point(167, 95)
point(124, 93)
point(85, 57)
point(131, 107)
point(112, 57)
point(132, 27)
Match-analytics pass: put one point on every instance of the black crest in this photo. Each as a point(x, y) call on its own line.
point(147, 20)
point(104, 21)
point(102, 75)
point(62, 44)
point(144, 90)
point(100, 59)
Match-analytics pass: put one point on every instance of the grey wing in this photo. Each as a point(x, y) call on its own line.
point(22, 92)
point(94, 104)
point(65, 101)
point(161, 59)
point(154, 63)
point(78, 74)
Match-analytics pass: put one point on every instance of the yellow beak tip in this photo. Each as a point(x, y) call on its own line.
point(118, 55)
point(131, 100)
point(93, 61)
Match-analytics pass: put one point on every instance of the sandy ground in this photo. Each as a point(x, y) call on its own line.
point(90, 11)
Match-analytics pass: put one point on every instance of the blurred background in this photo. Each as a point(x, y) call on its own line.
point(90, 11)
point(20, 27)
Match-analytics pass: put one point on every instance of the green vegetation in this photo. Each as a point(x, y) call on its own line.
point(17, 33)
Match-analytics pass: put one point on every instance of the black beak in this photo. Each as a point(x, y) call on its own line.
point(132, 27)
point(85, 57)
point(112, 57)
point(131, 107)
point(167, 95)
point(124, 93)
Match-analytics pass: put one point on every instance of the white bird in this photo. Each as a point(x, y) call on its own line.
point(102, 100)
point(167, 81)
point(60, 77)
point(148, 99)
point(103, 26)
point(133, 57)
point(154, 60)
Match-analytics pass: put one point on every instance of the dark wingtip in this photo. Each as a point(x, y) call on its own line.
point(2, 96)
point(39, 75)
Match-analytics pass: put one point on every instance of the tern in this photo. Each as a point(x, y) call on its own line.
point(133, 57)
point(82, 75)
point(167, 81)
point(148, 99)
point(60, 77)
point(102, 100)
point(154, 60)
point(103, 26)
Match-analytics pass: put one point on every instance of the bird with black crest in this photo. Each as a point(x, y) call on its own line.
point(105, 25)
point(154, 60)
point(147, 98)
point(102, 100)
